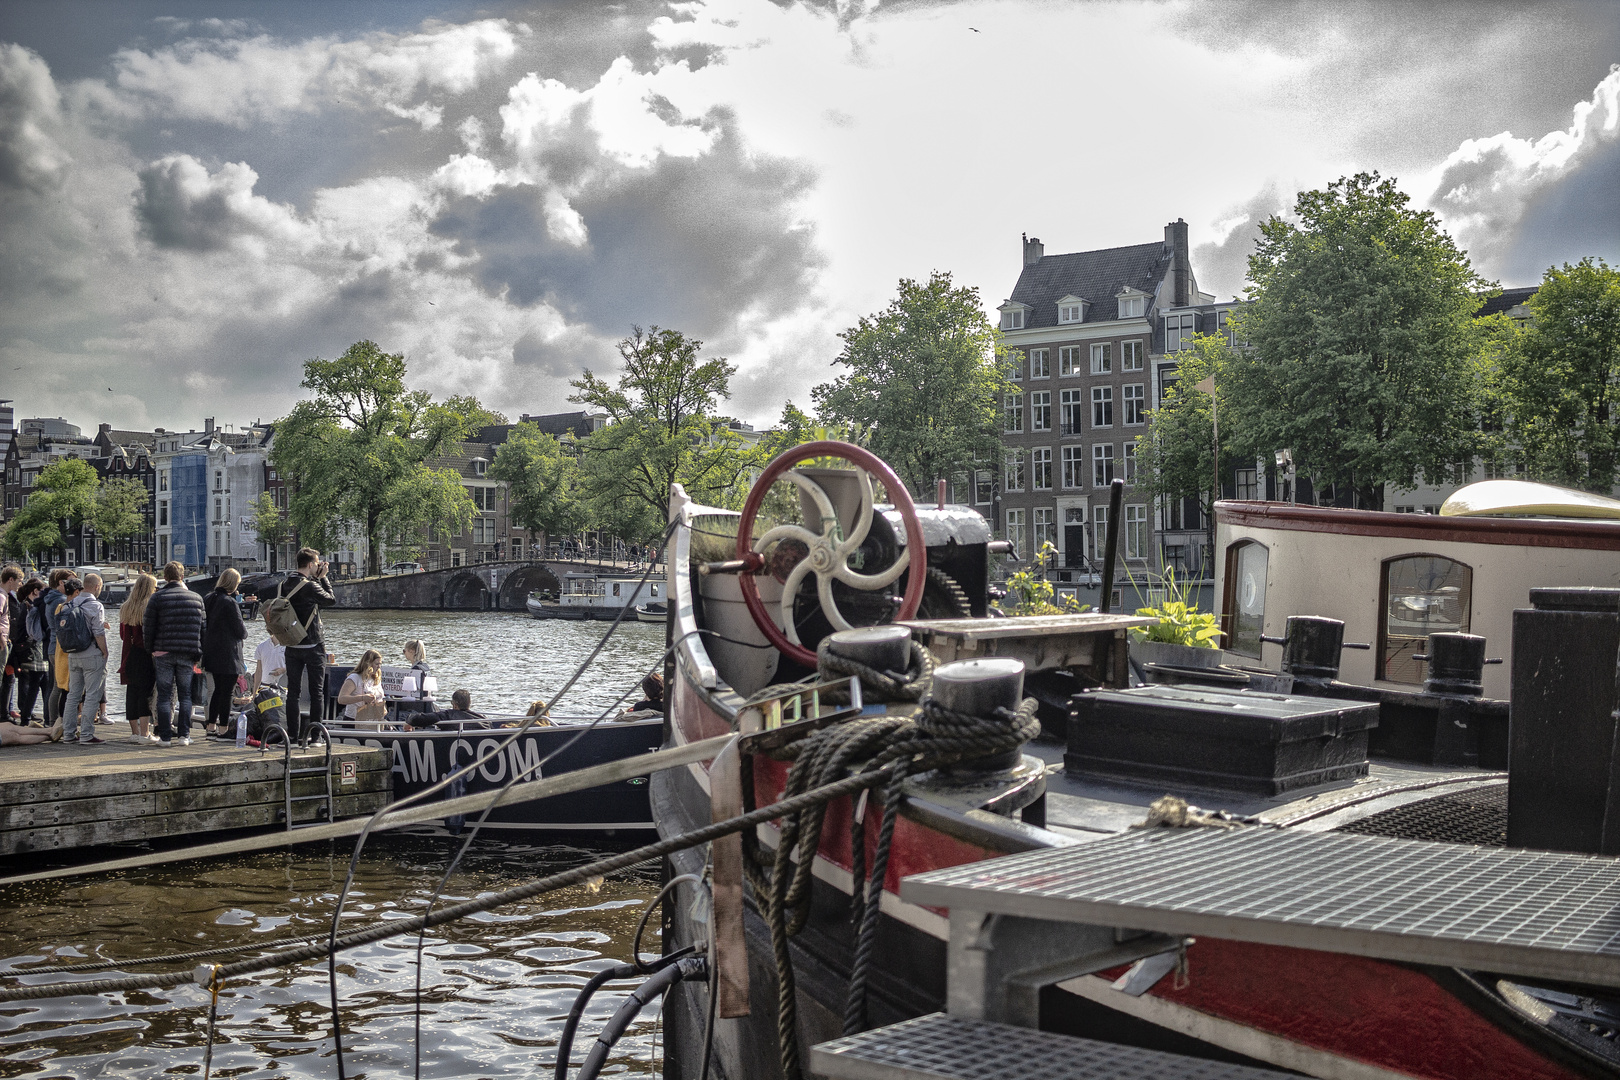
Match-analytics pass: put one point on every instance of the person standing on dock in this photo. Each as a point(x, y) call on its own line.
point(28, 654)
point(223, 634)
point(307, 591)
point(173, 631)
point(83, 636)
point(134, 662)
point(46, 604)
point(13, 629)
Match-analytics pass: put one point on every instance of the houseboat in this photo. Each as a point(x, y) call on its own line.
point(594, 596)
point(757, 630)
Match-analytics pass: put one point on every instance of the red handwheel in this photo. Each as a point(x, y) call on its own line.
point(828, 554)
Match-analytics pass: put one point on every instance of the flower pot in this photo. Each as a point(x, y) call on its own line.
point(1181, 656)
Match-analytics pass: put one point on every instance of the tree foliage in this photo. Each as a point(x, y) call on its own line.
point(1559, 377)
point(120, 509)
point(1174, 456)
point(269, 526)
point(925, 383)
point(1365, 352)
point(64, 494)
point(661, 430)
point(357, 453)
point(543, 482)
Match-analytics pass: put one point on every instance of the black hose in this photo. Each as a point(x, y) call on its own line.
point(565, 1044)
point(693, 967)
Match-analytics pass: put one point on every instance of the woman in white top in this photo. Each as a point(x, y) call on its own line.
point(269, 665)
point(363, 686)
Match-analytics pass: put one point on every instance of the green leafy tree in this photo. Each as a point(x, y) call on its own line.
point(1560, 375)
point(269, 526)
point(661, 430)
point(925, 383)
point(1175, 455)
point(543, 482)
point(1365, 355)
point(358, 453)
point(64, 494)
point(120, 509)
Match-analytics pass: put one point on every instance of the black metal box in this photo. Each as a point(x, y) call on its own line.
point(1247, 742)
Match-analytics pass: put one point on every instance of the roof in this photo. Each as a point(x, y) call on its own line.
point(1094, 275)
point(1510, 299)
point(125, 438)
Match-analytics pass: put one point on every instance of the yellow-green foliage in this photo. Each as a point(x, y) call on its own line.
point(1179, 622)
point(1029, 593)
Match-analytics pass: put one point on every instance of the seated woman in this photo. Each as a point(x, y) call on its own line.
point(362, 694)
point(543, 711)
point(461, 710)
point(652, 687)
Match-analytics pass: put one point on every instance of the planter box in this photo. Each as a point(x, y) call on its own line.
point(1181, 656)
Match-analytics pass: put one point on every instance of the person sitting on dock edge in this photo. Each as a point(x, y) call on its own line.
point(173, 632)
point(82, 629)
point(306, 591)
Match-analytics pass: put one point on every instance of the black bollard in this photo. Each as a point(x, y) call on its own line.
point(978, 688)
point(1311, 646)
point(885, 648)
point(1456, 664)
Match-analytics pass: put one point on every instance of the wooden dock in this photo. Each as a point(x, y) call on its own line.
point(57, 796)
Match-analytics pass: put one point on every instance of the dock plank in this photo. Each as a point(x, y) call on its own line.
point(177, 800)
point(125, 830)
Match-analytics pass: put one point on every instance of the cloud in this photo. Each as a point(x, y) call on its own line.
point(1499, 195)
point(30, 116)
point(1222, 265)
point(181, 205)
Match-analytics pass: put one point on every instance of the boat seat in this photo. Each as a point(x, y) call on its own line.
point(941, 1047)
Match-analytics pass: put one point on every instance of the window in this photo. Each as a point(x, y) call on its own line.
point(1074, 466)
point(1102, 406)
point(1045, 531)
point(1136, 531)
point(457, 556)
point(1040, 467)
point(1135, 402)
point(1012, 319)
point(959, 488)
point(1246, 484)
point(1130, 463)
point(1040, 410)
point(982, 487)
point(1178, 332)
point(1102, 464)
point(163, 481)
point(1071, 360)
point(1130, 307)
point(1245, 601)
point(1015, 532)
point(219, 481)
point(217, 507)
point(1072, 407)
point(1071, 312)
point(163, 512)
point(480, 466)
point(1099, 531)
point(1130, 356)
point(1102, 358)
point(1014, 471)
point(1421, 595)
point(1015, 414)
point(483, 530)
point(1015, 366)
point(1040, 364)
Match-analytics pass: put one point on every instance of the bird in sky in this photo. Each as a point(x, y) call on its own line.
point(432, 304)
point(975, 29)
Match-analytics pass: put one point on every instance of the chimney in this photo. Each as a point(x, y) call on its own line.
point(1175, 238)
point(208, 423)
point(1032, 251)
point(105, 428)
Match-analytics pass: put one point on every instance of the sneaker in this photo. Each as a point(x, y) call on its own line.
point(163, 743)
point(153, 739)
point(185, 740)
point(91, 741)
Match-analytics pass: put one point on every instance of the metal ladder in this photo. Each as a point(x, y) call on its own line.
point(289, 773)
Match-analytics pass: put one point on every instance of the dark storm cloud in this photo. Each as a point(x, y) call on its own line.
point(1576, 215)
point(30, 158)
point(689, 243)
point(1221, 266)
point(176, 211)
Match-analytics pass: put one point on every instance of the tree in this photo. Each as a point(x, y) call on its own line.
point(1364, 352)
point(660, 431)
point(1560, 374)
point(269, 526)
point(925, 383)
point(120, 509)
point(64, 493)
point(358, 453)
point(542, 479)
point(1175, 456)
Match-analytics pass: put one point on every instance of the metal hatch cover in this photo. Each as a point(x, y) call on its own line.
point(1513, 911)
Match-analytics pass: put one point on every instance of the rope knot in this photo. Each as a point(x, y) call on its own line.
point(880, 686)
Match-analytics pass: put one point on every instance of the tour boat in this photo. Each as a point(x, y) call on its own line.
point(594, 596)
point(744, 624)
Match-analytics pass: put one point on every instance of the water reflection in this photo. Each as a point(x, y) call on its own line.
point(497, 986)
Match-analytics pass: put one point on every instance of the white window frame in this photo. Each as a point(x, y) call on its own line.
point(1040, 468)
point(1102, 407)
point(1044, 528)
point(1015, 534)
point(1071, 410)
point(1073, 461)
point(1013, 424)
point(1102, 464)
point(1102, 358)
point(1071, 313)
point(1040, 363)
point(1136, 530)
point(983, 487)
point(1040, 410)
point(1131, 307)
point(1013, 470)
point(1016, 356)
point(1099, 531)
point(1128, 462)
point(1072, 360)
point(1133, 406)
point(1012, 318)
point(1130, 355)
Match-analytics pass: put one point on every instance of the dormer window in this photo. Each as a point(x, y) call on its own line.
point(1013, 316)
point(480, 466)
point(1072, 309)
point(1132, 303)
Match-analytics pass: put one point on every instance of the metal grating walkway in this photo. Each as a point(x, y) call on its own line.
point(1511, 911)
point(1465, 817)
point(940, 1047)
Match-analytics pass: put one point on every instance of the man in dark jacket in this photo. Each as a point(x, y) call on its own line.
point(47, 602)
point(173, 631)
point(307, 659)
point(461, 702)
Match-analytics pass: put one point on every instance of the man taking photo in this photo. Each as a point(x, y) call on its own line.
point(307, 591)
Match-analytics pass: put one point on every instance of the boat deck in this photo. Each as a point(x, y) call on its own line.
point(58, 796)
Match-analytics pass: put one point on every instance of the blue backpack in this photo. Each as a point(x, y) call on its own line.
point(73, 628)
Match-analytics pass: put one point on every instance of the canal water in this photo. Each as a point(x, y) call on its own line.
point(497, 987)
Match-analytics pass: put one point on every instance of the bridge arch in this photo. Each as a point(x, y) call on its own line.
point(466, 591)
point(517, 586)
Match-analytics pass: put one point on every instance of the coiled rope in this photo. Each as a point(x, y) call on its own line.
point(884, 686)
point(895, 748)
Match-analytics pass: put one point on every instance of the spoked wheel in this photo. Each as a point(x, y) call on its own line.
point(827, 553)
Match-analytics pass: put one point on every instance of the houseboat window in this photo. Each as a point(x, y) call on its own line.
point(1422, 595)
point(1245, 601)
point(616, 588)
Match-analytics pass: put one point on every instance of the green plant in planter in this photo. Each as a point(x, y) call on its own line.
point(1029, 593)
point(1179, 622)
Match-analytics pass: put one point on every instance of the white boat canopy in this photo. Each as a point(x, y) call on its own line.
point(1521, 498)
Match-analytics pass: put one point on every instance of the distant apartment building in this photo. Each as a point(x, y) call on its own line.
point(1089, 329)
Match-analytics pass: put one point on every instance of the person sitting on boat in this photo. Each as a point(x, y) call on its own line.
point(653, 701)
point(362, 693)
point(460, 710)
point(269, 665)
point(541, 710)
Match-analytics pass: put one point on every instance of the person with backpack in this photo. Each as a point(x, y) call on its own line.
point(293, 618)
point(44, 605)
point(173, 632)
point(28, 653)
point(81, 630)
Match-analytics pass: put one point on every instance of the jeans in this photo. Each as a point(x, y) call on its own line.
point(30, 687)
point(311, 665)
point(173, 677)
point(87, 684)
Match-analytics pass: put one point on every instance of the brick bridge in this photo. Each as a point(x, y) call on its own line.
point(491, 586)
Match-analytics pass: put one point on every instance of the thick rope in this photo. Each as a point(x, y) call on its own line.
point(397, 927)
point(885, 686)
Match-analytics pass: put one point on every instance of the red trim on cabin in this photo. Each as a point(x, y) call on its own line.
point(1520, 532)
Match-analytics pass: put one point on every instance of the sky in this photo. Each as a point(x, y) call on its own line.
point(195, 198)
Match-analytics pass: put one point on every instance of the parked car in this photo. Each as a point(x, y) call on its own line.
point(402, 568)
